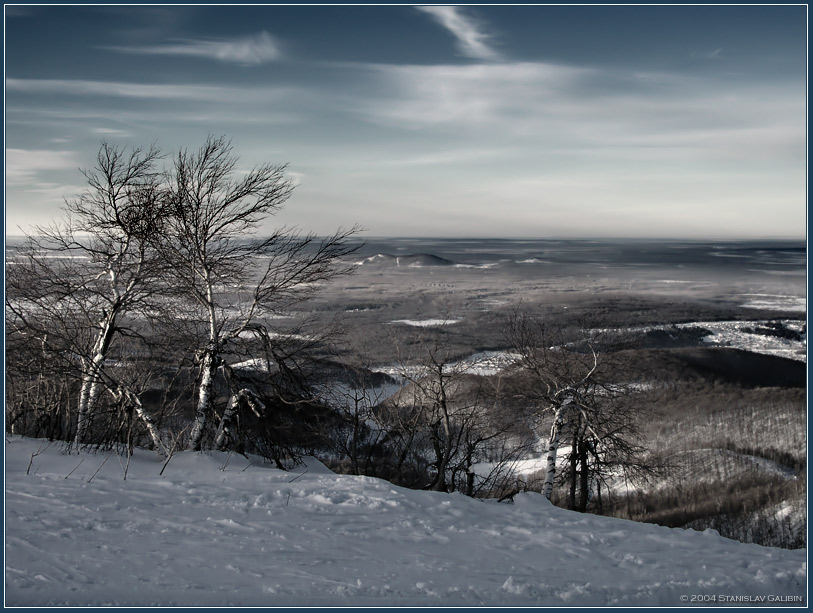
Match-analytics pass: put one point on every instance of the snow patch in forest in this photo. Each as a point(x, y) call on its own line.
point(483, 363)
point(258, 364)
point(517, 468)
point(426, 323)
point(747, 335)
point(736, 334)
point(217, 529)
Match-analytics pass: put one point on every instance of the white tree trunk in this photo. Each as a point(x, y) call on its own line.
point(83, 414)
point(224, 437)
point(205, 388)
point(91, 383)
point(553, 448)
point(148, 422)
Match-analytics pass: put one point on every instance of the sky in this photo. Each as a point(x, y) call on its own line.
point(548, 121)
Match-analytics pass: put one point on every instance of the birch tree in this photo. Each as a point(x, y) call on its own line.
point(595, 416)
point(232, 280)
point(72, 285)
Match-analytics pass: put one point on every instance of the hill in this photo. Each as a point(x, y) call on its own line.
point(416, 260)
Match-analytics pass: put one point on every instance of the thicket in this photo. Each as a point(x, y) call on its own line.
point(735, 460)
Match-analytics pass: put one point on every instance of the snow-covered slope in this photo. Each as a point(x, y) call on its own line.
point(219, 529)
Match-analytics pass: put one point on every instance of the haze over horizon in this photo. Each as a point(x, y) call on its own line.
point(678, 122)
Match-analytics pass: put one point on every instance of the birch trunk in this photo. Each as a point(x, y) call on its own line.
point(553, 448)
point(224, 437)
point(83, 415)
point(208, 368)
point(91, 384)
point(134, 401)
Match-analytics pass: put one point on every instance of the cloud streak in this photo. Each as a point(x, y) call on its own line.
point(581, 108)
point(246, 50)
point(471, 40)
point(23, 165)
point(146, 91)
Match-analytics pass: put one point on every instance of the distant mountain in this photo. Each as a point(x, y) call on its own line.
point(416, 260)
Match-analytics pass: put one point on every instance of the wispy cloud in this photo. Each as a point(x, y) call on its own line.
point(564, 113)
point(471, 40)
point(37, 178)
point(24, 165)
point(707, 55)
point(450, 157)
point(419, 96)
point(112, 132)
point(146, 91)
point(247, 50)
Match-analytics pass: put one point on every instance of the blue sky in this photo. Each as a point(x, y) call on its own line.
point(503, 121)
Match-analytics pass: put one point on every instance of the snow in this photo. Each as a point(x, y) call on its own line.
point(534, 261)
point(519, 468)
point(732, 334)
point(219, 529)
point(258, 364)
point(485, 363)
point(426, 323)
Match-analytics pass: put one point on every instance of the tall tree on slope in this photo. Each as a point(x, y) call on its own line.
point(233, 279)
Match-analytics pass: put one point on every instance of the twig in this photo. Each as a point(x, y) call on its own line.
point(100, 467)
point(122, 466)
point(34, 455)
point(297, 477)
point(169, 457)
point(77, 466)
point(127, 466)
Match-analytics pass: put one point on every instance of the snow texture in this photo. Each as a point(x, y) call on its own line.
point(218, 529)
point(426, 323)
point(733, 334)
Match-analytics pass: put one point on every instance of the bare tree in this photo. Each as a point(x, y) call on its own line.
point(355, 394)
point(233, 282)
point(446, 420)
point(73, 284)
point(573, 388)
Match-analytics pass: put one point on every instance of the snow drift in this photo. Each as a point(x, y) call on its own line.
point(221, 529)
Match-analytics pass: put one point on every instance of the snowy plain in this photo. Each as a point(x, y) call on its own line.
point(220, 529)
